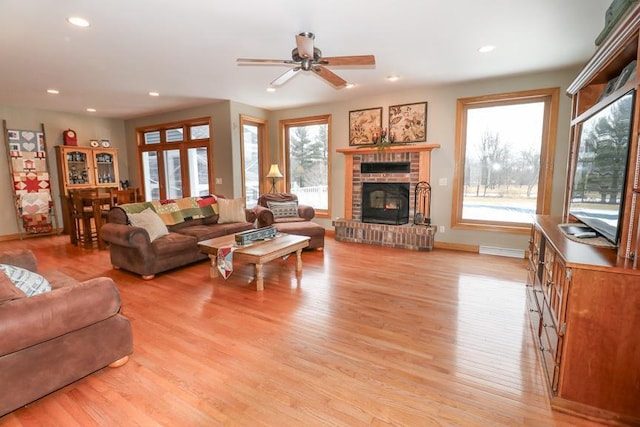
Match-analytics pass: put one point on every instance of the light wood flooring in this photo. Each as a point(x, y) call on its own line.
point(368, 336)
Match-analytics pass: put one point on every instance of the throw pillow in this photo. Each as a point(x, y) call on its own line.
point(27, 281)
point(284, 209)
point(231, 210)
point(8, 291)
point(150, 221)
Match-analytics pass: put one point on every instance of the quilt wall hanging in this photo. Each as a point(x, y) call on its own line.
point(29, 170)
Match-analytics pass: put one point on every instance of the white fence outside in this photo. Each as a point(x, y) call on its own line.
point(317, 196)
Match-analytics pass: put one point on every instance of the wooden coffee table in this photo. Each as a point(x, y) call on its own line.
point(258, 253)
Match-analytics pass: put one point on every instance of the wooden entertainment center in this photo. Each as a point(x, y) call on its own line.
point(584, 300)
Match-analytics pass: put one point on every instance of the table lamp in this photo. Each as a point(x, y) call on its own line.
point(274, 173)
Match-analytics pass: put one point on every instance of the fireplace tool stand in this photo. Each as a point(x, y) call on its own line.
point(422, 204)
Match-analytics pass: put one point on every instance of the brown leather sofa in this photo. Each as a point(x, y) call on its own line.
point(300, 225)
point(131, 249)
point(50, 340)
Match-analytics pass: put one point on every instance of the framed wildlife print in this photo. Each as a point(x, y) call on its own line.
point(363, 124)
point(408, 122)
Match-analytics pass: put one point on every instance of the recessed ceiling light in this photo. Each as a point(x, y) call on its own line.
point(486, 49)
point(91, 110)
point(349, 85)
point(393, 78)
point(53, 91)
point(271, 89)
point(78, 21)
point(154, 94)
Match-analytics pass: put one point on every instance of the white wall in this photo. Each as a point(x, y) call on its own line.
point(225, 116)
point(87, 128)
point(441, 122)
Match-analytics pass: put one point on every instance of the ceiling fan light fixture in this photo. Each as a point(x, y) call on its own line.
point(307, 57)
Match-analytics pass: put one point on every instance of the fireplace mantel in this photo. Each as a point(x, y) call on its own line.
point(392, 149)
point(424, 167)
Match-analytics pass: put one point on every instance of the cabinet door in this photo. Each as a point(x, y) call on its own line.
point(105, 167)
point(77, 165)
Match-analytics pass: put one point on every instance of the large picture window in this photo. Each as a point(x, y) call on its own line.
point(504, 164)
point(175, 159)
point(307, 148)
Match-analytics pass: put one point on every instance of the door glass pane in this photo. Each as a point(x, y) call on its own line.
point(199, 132)
point(198, 171)
point(502, 162)
point(308, 164)
point(251, 165)
point(150, 175)
point(173, 177)
point(174, 135)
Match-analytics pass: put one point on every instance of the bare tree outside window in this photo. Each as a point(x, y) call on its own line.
point(501, 142)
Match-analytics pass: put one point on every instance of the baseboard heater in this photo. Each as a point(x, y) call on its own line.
point(508, 252)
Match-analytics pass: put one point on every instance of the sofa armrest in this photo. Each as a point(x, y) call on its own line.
point(125, 235)
point(250, 215)
point(307, 212)
point(28, 321)
point(23, 258)
point(263, 215)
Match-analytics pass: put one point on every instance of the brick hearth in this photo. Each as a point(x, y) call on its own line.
point(352, 229)
point(407, 236)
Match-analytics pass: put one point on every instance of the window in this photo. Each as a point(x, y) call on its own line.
point(504, 163)
point(174, 166)
point(254, 146)
point(307, 144)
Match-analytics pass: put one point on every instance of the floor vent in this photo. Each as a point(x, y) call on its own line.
point(508, 252)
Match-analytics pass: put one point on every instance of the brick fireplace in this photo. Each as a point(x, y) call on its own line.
point(369, 165)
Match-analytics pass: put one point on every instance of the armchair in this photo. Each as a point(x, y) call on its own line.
point(283, 212)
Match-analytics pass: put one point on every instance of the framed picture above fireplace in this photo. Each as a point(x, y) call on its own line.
point(363, 124)
point(408, 122)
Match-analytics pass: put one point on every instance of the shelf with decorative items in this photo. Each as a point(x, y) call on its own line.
point(84, 168)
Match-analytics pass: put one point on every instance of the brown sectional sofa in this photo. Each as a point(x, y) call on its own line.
point(131, 249)
point(52, 339)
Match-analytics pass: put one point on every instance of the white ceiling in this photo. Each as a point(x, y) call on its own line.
point(186, 50)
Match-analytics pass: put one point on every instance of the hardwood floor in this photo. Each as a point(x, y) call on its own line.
point(369, 336)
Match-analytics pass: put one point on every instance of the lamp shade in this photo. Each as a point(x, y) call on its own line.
point(274, 171)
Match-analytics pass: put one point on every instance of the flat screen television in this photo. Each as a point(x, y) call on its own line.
point(597, 193)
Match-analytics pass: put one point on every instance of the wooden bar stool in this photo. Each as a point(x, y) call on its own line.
point(83, 229)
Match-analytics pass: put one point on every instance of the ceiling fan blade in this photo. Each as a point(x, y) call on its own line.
point(337, 81)
point(249, 61)
point(349, 60)
point(304, 42)
point(285, 77)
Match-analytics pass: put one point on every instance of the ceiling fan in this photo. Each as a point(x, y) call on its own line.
point(307, 57)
